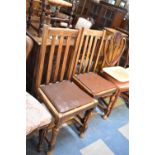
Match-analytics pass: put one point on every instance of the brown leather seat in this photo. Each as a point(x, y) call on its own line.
point(95, 84)
point(66, 96)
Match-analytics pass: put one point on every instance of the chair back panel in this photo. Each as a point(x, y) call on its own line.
point(56, 63)
point(114, 47)
point(90, 46)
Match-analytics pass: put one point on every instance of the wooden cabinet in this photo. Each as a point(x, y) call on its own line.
point(106, 15)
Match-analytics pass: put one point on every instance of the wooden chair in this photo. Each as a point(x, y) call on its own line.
point(63, 98)
point(85, 68)
point(44, 15)
point(38, 117)
point(113, 51)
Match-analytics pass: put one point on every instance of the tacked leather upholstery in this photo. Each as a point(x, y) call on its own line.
point(66, 96)
point(96, 84)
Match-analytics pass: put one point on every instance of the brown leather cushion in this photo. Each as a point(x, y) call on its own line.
point(66, 96)
point(96, 84)
point(123, 86)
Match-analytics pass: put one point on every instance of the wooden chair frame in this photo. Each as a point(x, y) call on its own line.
point(60, 118)
point(112, 58)
point(91, 45)
point(45, 13)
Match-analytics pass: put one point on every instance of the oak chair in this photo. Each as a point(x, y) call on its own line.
point(114, 48)
point(38, 117)
point(43, 14)
point(85, 68)
point(63, 98)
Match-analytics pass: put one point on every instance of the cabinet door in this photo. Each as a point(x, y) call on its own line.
point(106, 17)
point(94, 10)
point(118, 18)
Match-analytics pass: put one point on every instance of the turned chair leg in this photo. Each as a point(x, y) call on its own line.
point(86, 119)
point(41, 23)
point(112, 102)
point(55, 131)
point(30, 11)
point(42, 134)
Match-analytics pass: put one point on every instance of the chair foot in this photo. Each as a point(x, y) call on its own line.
point(81, 135)
point(104, 117)
point(85, 121)
point(49, 152)
point(42, 134)
point(55, 131)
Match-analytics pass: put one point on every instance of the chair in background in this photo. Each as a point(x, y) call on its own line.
point(119, 76)
point(48, 12)
point(38, 117)
point(85, 68)
point(63, 98)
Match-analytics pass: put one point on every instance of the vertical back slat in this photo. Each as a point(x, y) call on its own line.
point(88, 53)
point(50, 62)
point(79, 51)
point(106, 52)
point(83, 54)
point(74, 58)
point(41, 57)
point(92, 54)
point(65, 58)
point(58, 57)
point(100, 48)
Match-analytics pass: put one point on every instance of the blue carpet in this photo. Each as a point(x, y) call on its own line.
point(69, 143)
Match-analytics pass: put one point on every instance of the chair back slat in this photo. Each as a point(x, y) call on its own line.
point(74, 56)
point(78, 53)
point(41, 57)
point(90, 47)
point(55, 63)
point(92, 54)
point(65, 58)
point(114, 47)
point(83, 55)
point(59, 54)
point(99, 51)
point(50, 64)
point(88, 53)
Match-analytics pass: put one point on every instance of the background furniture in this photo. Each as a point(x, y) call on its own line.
point(63, 98)
point(48, 11)
point(105, 14)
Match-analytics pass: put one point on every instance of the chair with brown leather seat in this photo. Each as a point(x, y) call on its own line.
point(64, 99)
point(85, 69)
point(115, 44)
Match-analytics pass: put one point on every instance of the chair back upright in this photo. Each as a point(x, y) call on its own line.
point(89, 50)
point(55, 63)
point(114, 47)
point(29, 45)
